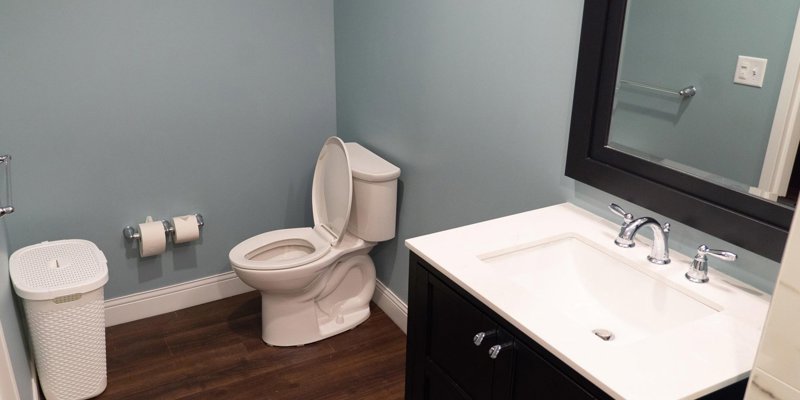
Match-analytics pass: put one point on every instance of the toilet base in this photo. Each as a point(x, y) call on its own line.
point(335, 304)
point(351, 321)
point(330, 329)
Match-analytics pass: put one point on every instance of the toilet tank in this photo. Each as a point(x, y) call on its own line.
point(374, 209)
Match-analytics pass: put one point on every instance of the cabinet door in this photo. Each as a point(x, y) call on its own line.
point(443, 363)
point(439, 386)
point(439, 390)
point(535, 378)
point(452, 326)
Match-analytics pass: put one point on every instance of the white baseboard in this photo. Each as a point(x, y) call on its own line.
point(172, 298)
point(188, 294)
point(393, 306)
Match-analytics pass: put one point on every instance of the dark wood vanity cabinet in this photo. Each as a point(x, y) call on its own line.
point(443, 361)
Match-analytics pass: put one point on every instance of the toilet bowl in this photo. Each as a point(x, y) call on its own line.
point(317, 282)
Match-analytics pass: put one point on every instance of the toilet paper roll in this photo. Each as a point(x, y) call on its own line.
point(186, 228)
point(152, 240)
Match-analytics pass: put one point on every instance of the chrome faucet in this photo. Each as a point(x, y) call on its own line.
point(659, 252)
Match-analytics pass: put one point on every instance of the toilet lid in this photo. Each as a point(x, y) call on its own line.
point(332, 190)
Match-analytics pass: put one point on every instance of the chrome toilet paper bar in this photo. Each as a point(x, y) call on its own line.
point(131, 233)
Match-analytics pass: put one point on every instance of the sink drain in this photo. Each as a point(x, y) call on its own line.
point(604, 334)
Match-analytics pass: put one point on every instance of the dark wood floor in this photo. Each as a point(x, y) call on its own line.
point(214, 351)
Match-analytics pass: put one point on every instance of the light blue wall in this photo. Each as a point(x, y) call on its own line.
point(118, 110)
point(472, 100)
point(725, 128)
point(11, 322)
point(114, 111)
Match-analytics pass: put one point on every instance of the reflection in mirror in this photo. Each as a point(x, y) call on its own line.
point(741, 217)
point(676, 102)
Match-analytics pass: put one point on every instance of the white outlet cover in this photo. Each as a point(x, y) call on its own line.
point(750, 71)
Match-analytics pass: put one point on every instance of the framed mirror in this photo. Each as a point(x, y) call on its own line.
point(660, 120)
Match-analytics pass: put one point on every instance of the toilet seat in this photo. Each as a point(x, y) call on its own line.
point(280, 249)
point(332, 190)
point(332, 195)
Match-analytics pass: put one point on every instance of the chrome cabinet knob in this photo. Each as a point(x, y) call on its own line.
point(478, 338)
point(494, 351)
point(698, 271)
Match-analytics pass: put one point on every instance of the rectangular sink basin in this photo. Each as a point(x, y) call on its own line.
point(593, 290)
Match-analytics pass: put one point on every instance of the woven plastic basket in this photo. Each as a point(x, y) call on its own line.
point(61, 284)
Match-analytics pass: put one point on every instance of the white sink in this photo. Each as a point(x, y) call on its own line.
point(556, 275)
point(594, 289)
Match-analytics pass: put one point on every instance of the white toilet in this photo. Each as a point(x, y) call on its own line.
point(317, 282)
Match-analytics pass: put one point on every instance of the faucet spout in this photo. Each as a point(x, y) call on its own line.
point(659, 252)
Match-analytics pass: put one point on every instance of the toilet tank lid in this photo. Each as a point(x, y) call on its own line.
point(368, 166)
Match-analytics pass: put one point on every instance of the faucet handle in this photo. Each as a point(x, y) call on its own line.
point(627, 217)
point(698, 271)
point(721, 254)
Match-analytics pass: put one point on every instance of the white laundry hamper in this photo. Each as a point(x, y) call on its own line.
point(61, 284)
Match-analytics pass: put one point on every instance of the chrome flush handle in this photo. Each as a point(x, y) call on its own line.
point(698, 270)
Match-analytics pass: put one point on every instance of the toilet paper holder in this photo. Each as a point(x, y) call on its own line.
point(131, 233)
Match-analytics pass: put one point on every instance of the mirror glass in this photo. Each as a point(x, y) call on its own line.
point(676, 102)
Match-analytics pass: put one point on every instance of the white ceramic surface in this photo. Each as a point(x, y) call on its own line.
point(332, 190)
point(556, 274)
point(318, 282)
point(590, 289)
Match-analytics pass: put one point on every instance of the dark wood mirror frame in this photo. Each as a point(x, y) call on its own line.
point(747, 221)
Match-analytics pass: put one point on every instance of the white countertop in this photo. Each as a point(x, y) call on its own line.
point(687, 361)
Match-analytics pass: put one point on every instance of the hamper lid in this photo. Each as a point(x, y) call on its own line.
point(48, 270)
